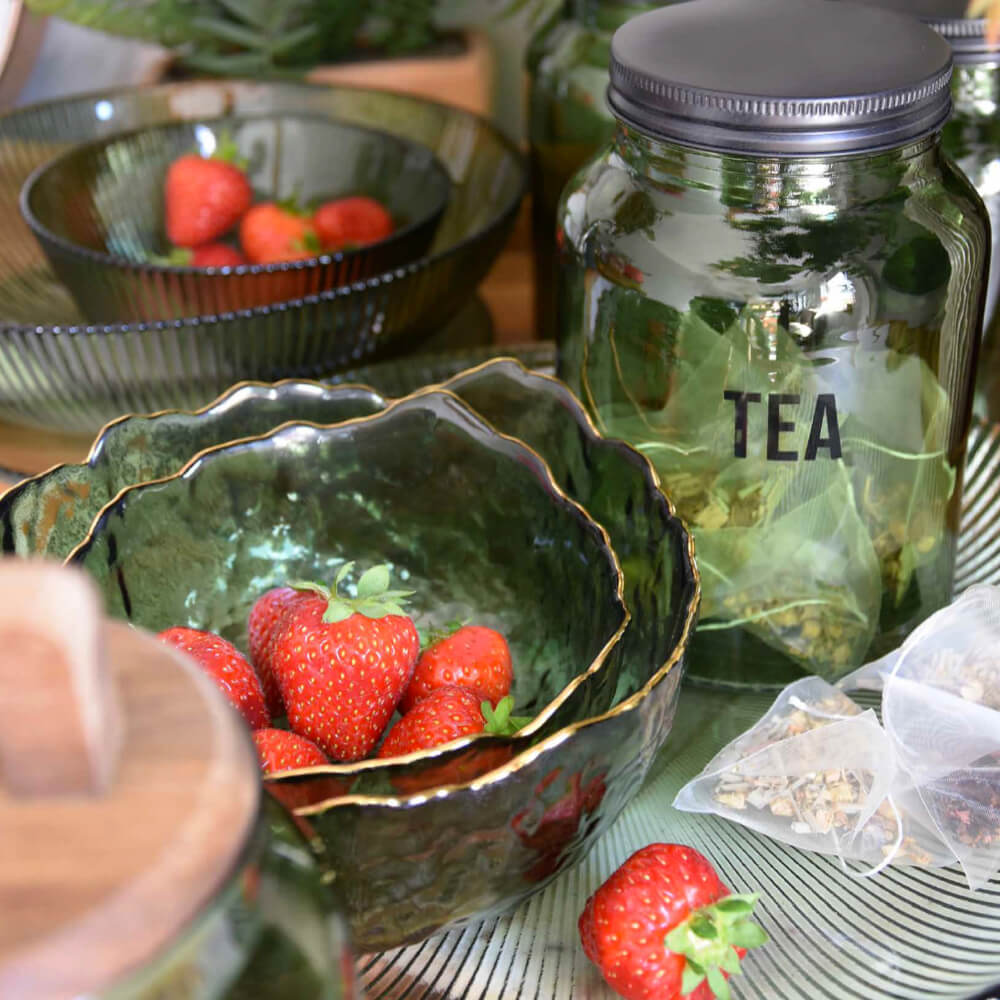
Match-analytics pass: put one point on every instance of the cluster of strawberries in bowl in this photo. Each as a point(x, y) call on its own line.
point(207, 198)
point(340, 667)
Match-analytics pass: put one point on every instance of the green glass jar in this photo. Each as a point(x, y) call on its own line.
point(270, 933)
point(568, 119)
point(972, 140)
point(772, 284)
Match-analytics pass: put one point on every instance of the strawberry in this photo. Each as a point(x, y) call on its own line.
point(217, 255)
point(207, 255)
point(664, 926)
point(449, 713)
point(204, 197)
point(351, 222)
point(342, 665)
point(227, 666)
point(266, 616)
point(272, 232)
point(280, 750)
point(474, 657)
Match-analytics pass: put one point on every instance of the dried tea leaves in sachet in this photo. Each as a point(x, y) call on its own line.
point(817, 773)
point(941, 713)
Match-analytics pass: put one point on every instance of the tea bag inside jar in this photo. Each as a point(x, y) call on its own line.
point(817, 772)
point(941, 714)
point(782, 549)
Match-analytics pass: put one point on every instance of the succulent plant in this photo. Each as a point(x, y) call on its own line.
point(265, 37)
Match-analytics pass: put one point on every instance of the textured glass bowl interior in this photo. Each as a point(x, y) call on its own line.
point(470, 521)
point(57, 370)
point(405, 862)
point(98, 212)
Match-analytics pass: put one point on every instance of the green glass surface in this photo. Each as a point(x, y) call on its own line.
point(568, 119)
point(273, 933)
point(971, 138)
point(404, 866)
point(58, 370)
point(198, 549)
point(792, 344)
point(98, 212)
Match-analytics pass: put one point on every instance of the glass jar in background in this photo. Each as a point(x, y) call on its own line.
point(772, 284)
point(568, 119)
point(972, 139)
point(153, 866)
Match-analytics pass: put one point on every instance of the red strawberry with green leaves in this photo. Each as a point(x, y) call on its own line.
point(217, 255)
point(272, 232)
point(205, 196)
point(446, 714)
point(664, 926)
point(473, 656)
point(342, 664)
point(280, 750)
point(227, 666)
point(351, 222)
point(266, 616)
point(449, 713)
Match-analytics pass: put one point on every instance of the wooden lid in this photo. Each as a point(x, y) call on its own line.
point(128, 787)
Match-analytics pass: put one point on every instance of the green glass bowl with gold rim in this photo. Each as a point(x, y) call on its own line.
point(61, 369)
point(542, 811)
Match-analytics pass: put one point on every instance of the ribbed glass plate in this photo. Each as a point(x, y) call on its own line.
point(902, 934)
point(59, 370)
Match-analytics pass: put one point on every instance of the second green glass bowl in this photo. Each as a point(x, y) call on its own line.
point(98, 212)
point(409, 866)
point(58, 370)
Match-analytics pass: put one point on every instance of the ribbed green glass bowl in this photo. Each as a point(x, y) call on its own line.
point(58, 369)
point(411, 865)
point(98, 212)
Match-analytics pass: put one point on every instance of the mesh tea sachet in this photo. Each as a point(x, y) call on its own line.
point(941, 713)
point(816, 772)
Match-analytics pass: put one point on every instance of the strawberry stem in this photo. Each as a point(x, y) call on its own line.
point(708, 940)
point(500, 721)
point(374, 598)
point(442, 632)
point(177, 257)
point(227, 150)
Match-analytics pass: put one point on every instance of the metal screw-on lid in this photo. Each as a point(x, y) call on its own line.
point(780, 77)
point(966, 35)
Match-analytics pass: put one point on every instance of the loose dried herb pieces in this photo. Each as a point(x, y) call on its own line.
point(817, 802)
point(973, 675)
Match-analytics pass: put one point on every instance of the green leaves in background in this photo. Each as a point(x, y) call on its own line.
point(265, 37)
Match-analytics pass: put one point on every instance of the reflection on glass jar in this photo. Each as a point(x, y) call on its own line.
point(790, 339)
point(971, 138)
point(568, 119)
